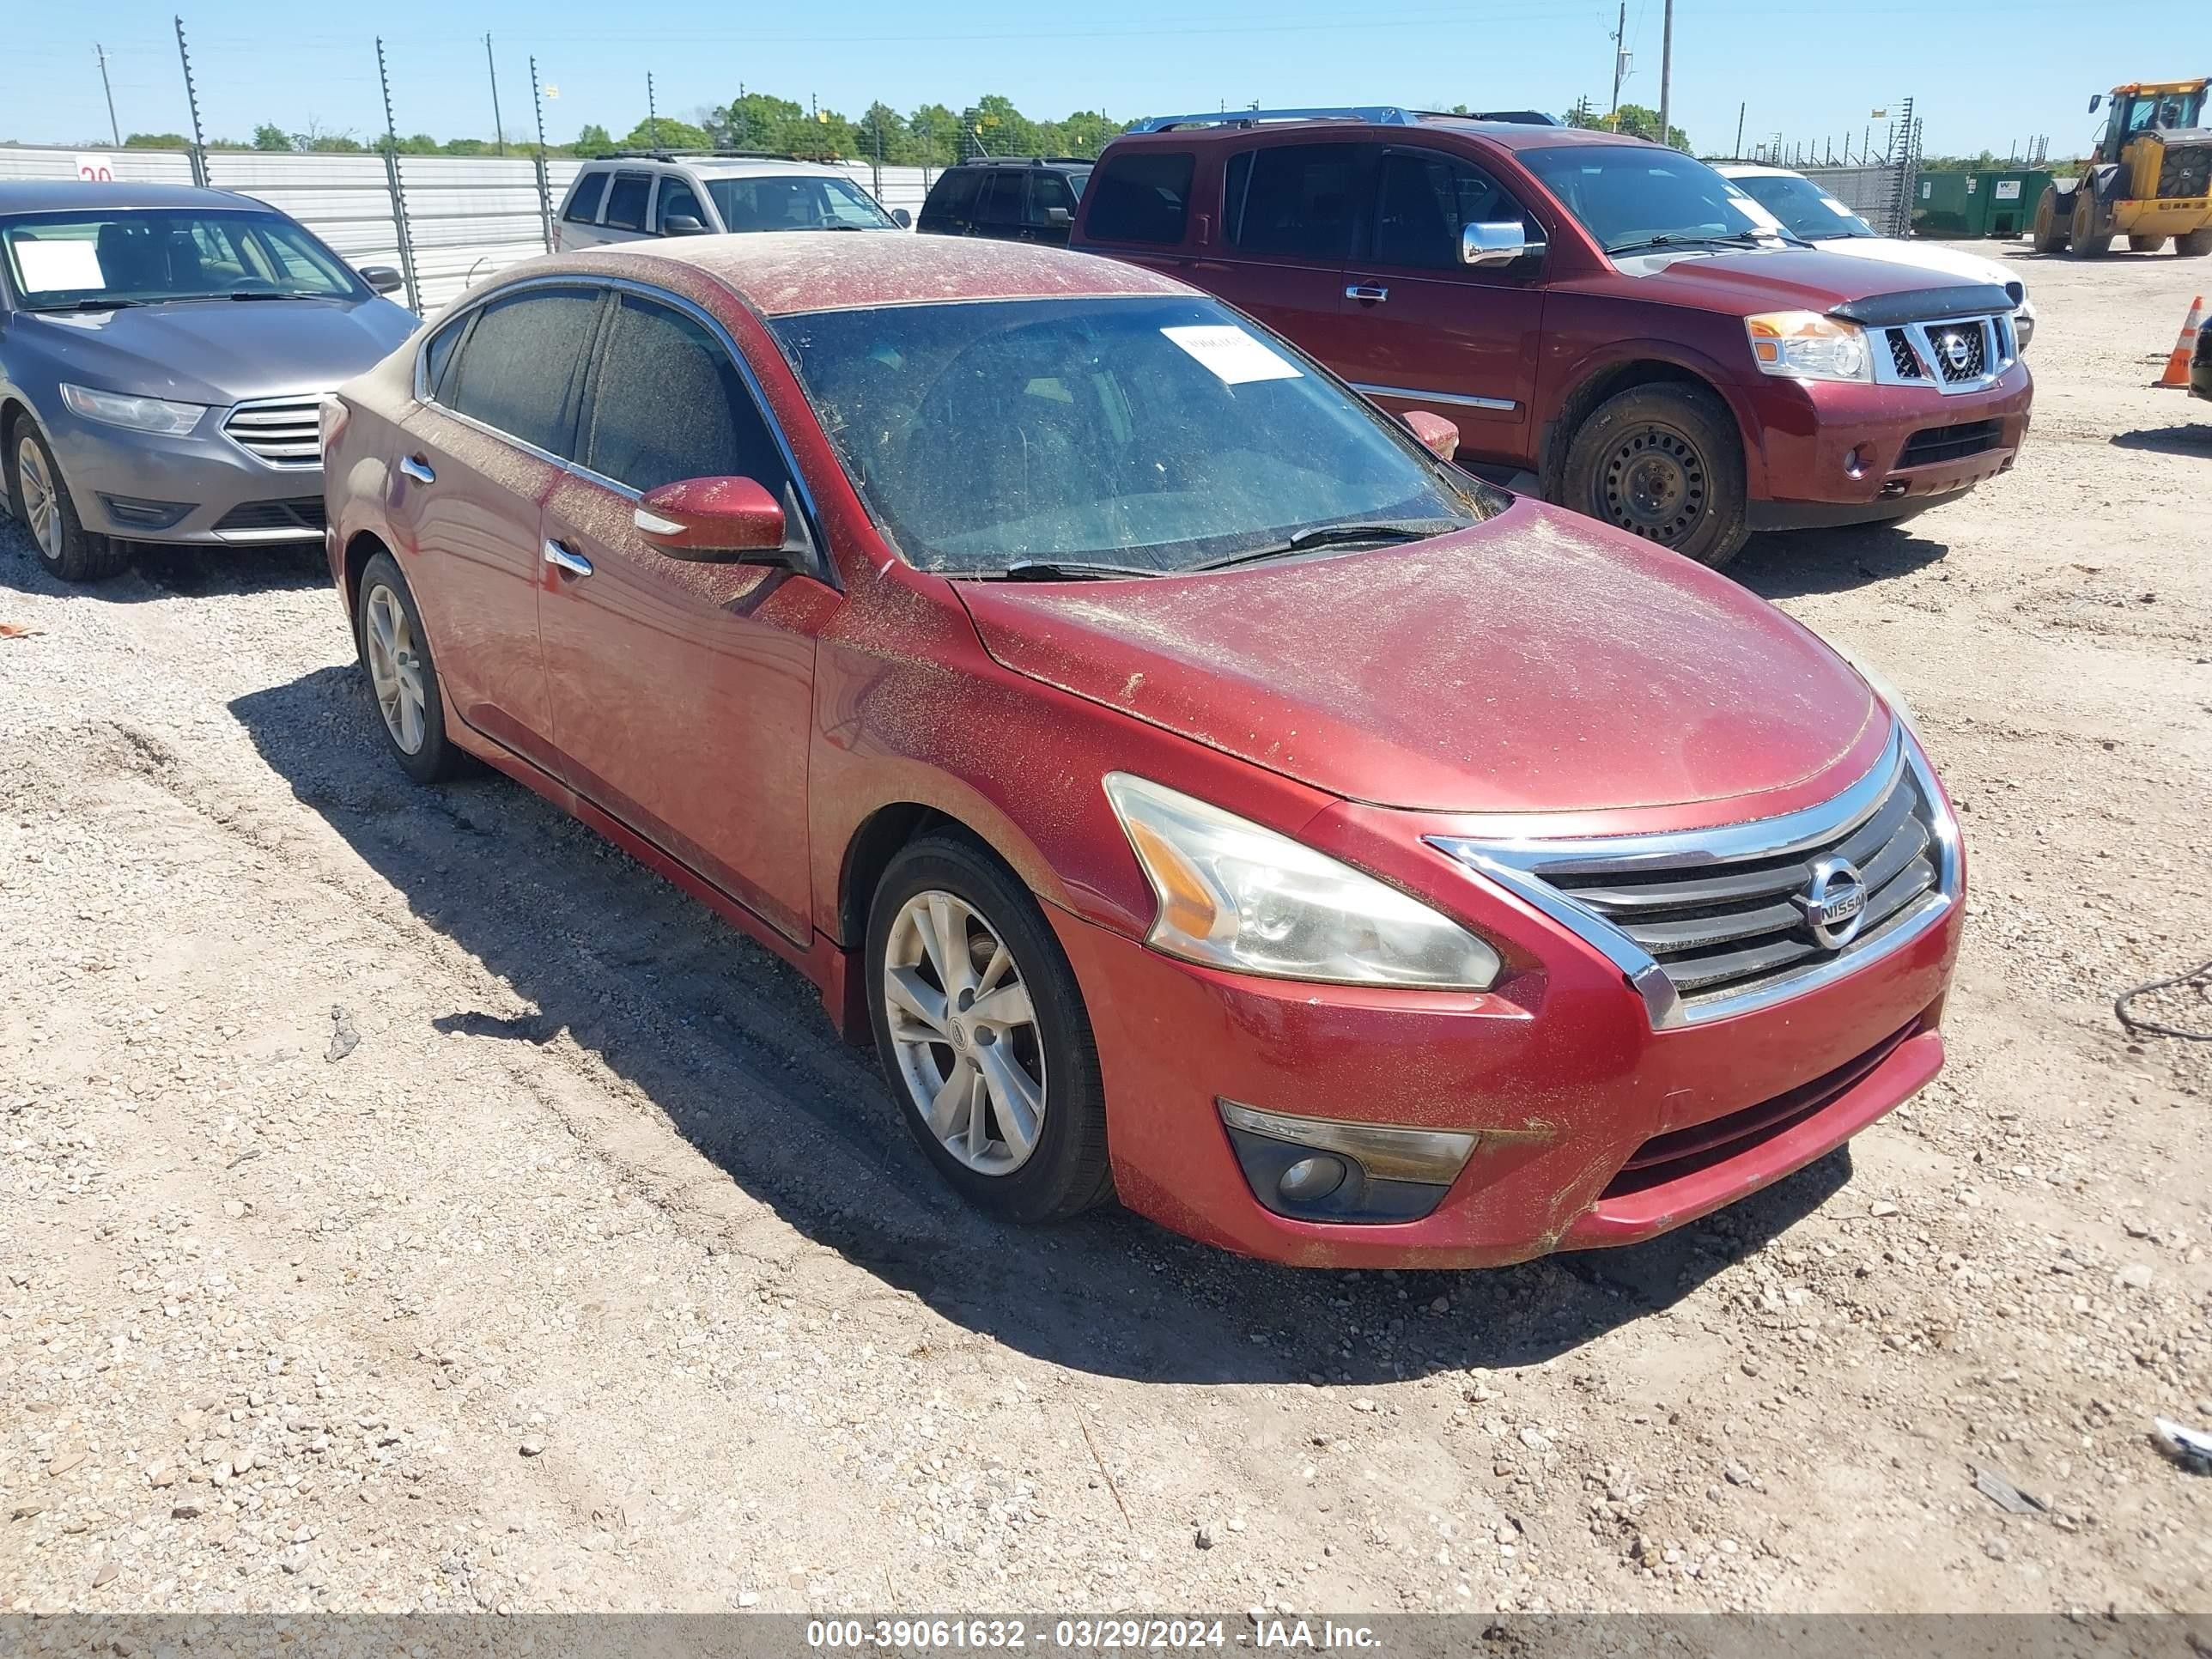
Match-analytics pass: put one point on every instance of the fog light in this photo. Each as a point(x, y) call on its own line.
point(1312, 1178)
point(1857, 463)
point(1316, 1168)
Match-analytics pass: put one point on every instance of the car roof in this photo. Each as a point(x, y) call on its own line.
point(61, 195)
point(1506, 135)
point(1027, 162)
point(716, 166)
point(781, 273)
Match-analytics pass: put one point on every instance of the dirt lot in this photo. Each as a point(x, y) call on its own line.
point(598, 1276)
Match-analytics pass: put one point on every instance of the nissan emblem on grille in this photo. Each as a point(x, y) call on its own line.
point(1956, 349)
point(1834, 902)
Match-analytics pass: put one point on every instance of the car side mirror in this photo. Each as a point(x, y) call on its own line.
point(713, 521)
point(1493, 247)
point(1059, 216)
point(902, 219)
point(383, 279)
point(1439, 436)
point(681, 224)
point(2095, 99)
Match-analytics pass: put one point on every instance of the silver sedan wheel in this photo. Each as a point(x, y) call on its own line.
point(41, 509)
point(395, 668)
point(966, 1037)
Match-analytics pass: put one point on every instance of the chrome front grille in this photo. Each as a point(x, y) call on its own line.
point(282, 431)
point(1953, 355)
point(1708, 924)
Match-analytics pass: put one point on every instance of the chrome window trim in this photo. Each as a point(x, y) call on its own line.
point(1520, 865)
point(1506, 404)
point(645, 291)
point(2000, 351)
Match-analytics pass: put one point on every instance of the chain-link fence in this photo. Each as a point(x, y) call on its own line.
point(444, 220)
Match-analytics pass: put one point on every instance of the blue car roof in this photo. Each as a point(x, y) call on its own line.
point(61, 195)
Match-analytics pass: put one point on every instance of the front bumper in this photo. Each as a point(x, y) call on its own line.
point(1838, 453)
point(200, 489)
point(1596, 1122)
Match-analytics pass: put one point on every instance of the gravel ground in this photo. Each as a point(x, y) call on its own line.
point(597, 1275)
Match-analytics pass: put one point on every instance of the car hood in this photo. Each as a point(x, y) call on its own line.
point(1926, 256)
point(1739, 282)
point(1537, 662)
point(218, 351)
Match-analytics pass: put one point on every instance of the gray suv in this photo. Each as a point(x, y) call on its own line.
point(165, 354)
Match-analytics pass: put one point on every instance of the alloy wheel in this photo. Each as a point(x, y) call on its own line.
point(395, 668)
point(41, 509)
point(1654, 484)
point(965, 1034)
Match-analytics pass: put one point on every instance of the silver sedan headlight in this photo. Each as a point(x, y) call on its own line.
point(159, 415)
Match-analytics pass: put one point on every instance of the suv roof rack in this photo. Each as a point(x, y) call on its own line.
point(1029, 161)
point(1386, 115)
point(701, 155)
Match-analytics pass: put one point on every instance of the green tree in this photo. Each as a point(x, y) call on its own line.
point(593, 141)
point(936, 132)
point(420, 143)
point(157, 140)
point(335, 143)
point(270, 136)
point(666, 133)
point(1633, 121)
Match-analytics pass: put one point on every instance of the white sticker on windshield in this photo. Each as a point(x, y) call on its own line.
point(1231, 355)
point(47, 266)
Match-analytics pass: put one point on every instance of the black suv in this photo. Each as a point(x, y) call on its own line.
point(1014, 200)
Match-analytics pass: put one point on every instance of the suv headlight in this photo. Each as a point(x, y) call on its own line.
point(139, 414)
point(1803, 345)
point(1233, 895)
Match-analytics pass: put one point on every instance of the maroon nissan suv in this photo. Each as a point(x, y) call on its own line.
point(1609, 321)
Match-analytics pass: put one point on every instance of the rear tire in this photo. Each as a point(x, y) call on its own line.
point(992, 1060)
point(2194, 244)
point(2090, 240)
point(40, 499)
point(395, 654)
point(2145, 244)
point(2054, 212)
point(1662, 462)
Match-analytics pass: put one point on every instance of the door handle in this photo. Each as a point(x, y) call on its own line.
point(567, 563)
point(1368, 293)
point(417, 469)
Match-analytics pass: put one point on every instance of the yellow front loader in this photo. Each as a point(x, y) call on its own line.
point(2149, 178)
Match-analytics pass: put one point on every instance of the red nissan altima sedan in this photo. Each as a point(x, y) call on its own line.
point(1198, 791)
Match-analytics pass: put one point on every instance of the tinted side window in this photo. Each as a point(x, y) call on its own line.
point(1424, 199)
point(584, 204)
point(626, 201)
point(670, 404)
point(953, 195)
point(1141, 196)
point(677, 200)
point(1294, 199)
point(438, 353)
point(1048, 191)
point(521, 358)
point(1000, 202)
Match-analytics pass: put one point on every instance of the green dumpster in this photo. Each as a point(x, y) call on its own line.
point(1953, 205)
point(2013, 195)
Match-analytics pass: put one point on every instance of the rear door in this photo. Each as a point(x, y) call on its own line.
point(1423, 331)
point(579, 214)
point(998, 212)
point(630, 202)
point(1289, 214)
point(682, 692)
point(951, 203)
point(480, 456)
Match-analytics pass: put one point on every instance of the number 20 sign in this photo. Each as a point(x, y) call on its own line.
point(95, 170)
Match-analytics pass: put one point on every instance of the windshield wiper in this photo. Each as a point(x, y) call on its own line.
point(1746, 238)
point(274, 293)
point(1327, 535)
point(1064, 570)
point(90, 304)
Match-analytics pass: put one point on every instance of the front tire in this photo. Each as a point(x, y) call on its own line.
point(2054, 212)
point(42, 504)
point(982, 1034)
point(2091, 240)
point(395, 652)
point(1662, 462)
point(2145, 244)
point(2195, 244)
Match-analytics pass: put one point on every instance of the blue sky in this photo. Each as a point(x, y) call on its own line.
point(1811, 71)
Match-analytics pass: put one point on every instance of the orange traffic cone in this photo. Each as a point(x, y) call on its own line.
point(2176, 366)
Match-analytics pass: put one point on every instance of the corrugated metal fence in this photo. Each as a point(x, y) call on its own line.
point(455, 219)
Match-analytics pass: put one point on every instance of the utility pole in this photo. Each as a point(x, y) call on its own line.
point(1619, 62)
point(544, 195)
point(1666, 74)
point(498, 135)
point(192, 98)
point(114, 132)
point(652, 115)
point(1740, 109)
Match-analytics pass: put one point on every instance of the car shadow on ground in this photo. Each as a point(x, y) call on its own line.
point(1800, 562)
point(2170, 439)
point(162, 573)
point(734, 1048)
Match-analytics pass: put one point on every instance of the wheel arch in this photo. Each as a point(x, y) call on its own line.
point(1597, 383)
point(364, 545)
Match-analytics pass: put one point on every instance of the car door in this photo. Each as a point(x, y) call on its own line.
point(1426, 332)
point(1048, 195)
point(1289, 212)
point(676, 199)
point(682, 692)
point(482, 451)
point(629, 201)
point(998, 206)
point(579, 214)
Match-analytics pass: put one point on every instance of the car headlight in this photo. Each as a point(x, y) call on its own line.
point(1233, 895)
point(1882, 687)
point(2023, 327)
point(139, 414)
point(1803, 345)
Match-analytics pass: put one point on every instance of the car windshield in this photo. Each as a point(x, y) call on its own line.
point(796, 202)
point(1804, 209)
point(1635, 198)
point(86, 259)
point(1137, 435)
